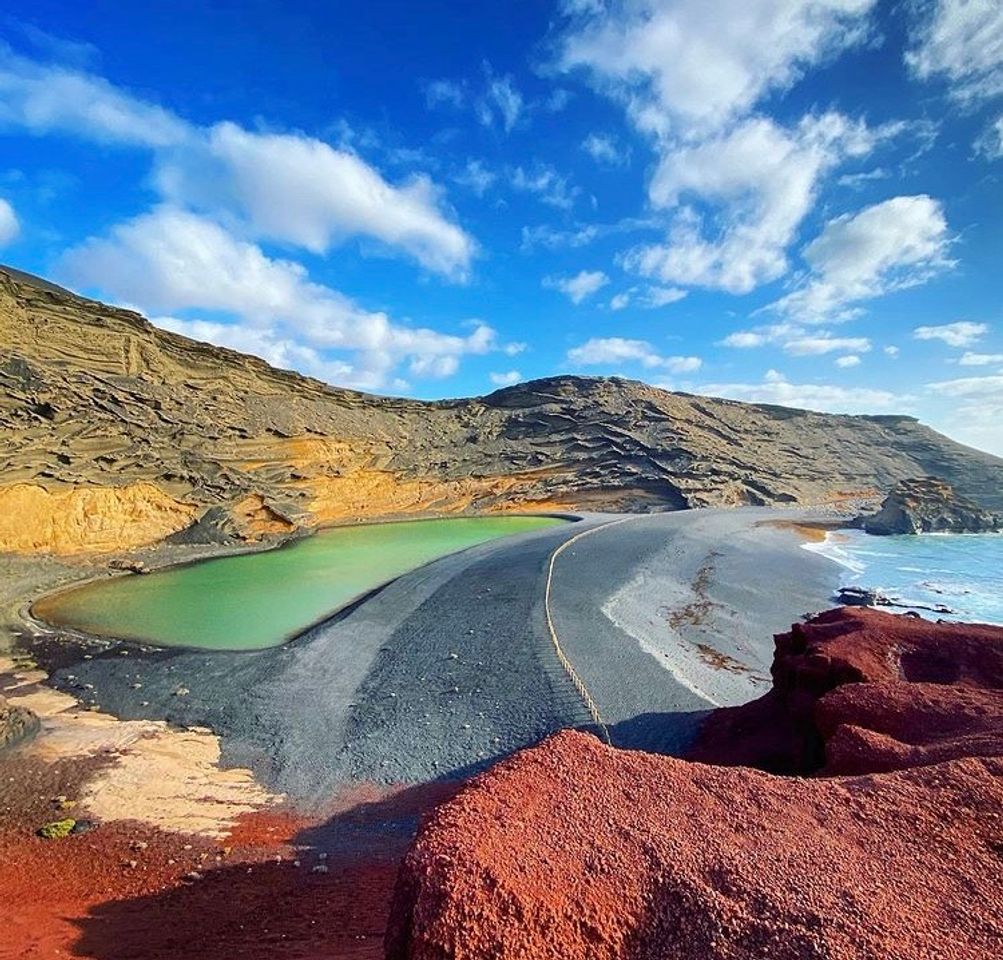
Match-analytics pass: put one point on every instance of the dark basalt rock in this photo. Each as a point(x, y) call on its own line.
point(929, 505)
point(16, 724)
point(215, 526)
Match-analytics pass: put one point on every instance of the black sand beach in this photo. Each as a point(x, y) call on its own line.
point(451, 666)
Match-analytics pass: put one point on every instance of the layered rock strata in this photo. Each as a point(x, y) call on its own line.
point(114, 433)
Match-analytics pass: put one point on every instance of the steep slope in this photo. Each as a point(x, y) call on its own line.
point(113, 432)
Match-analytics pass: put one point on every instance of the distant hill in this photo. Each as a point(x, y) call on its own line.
point(114, 433)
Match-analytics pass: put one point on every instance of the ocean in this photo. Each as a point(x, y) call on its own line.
point(963, 572)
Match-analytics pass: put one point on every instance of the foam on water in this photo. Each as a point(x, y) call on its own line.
point(963, 572)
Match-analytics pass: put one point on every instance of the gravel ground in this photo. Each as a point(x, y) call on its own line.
point(450, 666)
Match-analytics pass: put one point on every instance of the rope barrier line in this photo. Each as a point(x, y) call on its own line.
point(569, 669)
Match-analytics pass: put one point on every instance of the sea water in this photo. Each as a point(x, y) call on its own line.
point(258, 600)
point(961, 571)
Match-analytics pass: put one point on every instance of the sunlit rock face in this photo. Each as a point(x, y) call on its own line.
point(94, 398)
point(577, 850)
point(929, 505)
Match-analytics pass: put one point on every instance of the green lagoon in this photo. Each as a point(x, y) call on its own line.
point(259, 600)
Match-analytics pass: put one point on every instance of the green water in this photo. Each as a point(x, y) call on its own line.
point(259, 600)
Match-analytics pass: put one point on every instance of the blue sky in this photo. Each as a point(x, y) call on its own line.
point(791, 201)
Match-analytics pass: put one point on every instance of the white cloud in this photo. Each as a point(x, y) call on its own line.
point(476, 177)
point(173, 260)
point(288, 187)
point(796, 341)
point(501, 103)
point(498, 103)
point(603, 149)
point(44, 99)
point(850, 360)
point(962, 333)
point(579, 287)
point(745, 339)
point(582, 234)
point(990, 144)
point(975, 404)
point(764, 178)
point(505, 379)
point(544, 181)
point(683, 364)
point(444, 92)
point(826, 398)
point(647, 298)
point(543, 235)
point(892, 351)
point(693, 66)
point(960, 41)
point(898, 243)
point(9, 225)
point(814, 346)
point(969, 359)
point(654, 297)
point(617, 350)
point(857, 180)
point(294, 188)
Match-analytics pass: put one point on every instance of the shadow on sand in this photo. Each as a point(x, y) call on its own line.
point(334, 905)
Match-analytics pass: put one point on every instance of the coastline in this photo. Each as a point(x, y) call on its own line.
point(684, 611)
point(941, 575)
point(396, 699)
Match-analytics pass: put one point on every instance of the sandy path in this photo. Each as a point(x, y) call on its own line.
point(670, 615)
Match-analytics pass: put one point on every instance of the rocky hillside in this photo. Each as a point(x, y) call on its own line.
point(114, 433)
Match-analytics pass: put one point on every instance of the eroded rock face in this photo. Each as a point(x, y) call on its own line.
point(16, 724)
point(94, 398)
point(856, 690)
point(574, 850)
point(88, 518)
point(930, 505)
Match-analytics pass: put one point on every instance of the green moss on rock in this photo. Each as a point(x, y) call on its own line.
point(57, 829)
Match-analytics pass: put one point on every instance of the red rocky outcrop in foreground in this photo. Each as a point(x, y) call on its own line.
point(576, 850)
point(859, 691)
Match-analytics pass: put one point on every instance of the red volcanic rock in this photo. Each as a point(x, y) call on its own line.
point(859, 691)
point(578, 851)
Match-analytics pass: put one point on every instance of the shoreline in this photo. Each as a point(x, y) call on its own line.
point(930, 574)
point(445, 670)
point(161, 557)
point(687, 621)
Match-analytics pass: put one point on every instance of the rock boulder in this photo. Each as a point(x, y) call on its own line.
point(576, 850)
point(930, 505)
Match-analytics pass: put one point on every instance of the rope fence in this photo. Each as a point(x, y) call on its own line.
point(569, 669)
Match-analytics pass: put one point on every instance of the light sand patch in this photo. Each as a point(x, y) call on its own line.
point(167, 778)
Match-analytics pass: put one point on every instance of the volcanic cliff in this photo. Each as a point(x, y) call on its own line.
point(114, 434)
